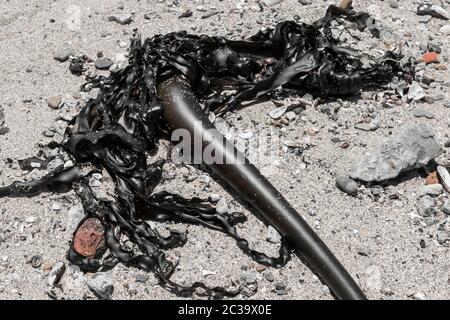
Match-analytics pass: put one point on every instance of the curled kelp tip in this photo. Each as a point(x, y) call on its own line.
point(118, 129)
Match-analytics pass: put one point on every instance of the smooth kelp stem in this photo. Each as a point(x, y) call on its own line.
point(183, 111)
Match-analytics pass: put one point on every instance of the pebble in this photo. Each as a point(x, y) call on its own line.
point(54, 102)
point(446, 207)
point(416, 92)
point(55, 165)
point(272, 2)
point(121, 18)
point(103, 63)
point(101, 285)
point(419, 296)
point(431, 190)
point(75, 215)
point(430, 57)
point(272, 235)
point(63, 54)
point(426, 206)
point(432, 178)
point(56, 273)
point(422, 113)
point(371, 126)
point(347, 185)
point(269, 276)
point(248, 277)
point(444, 177)
point(290, 115)
point(278, 112)
point(445, 29)
point(346, 4)
point(214, 197)
point(433, 10)
point(36, 261)
point(394, 4)
point(222, 206)
point(89, 239)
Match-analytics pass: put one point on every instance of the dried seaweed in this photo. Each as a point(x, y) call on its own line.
point(122, 125)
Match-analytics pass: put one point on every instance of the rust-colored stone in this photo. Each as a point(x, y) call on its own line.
point(346, 4)
point(430, 57)
point(89, 238)
point(432, 178)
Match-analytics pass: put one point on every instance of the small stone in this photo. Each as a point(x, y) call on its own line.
point(290, 115)
point(54, 102)
point(433, 10)
point(346, 4)
point(141, 278)
point(393, 4)
point(103, 63)
point(371, 126)
point(419, 296)
point(36, 261)
point(89, 239)
point(246, 135)
point(444, 177)
point(186, 14)
point(121, 18)
point(432, 178)
point(431, 190)
point(278, 112)
point(55, 165)
point(446, 207)
point(422, 113)
point(426, 206)
point(273, 236)
point(75, 215)
point(347, 185)
point(269, 276)
point(101, 285)
point(433, 47)
point(270, 3)
point(214, 197)
point(430, 57)
point(56, 273)
point(416, 92)
point(445, 29)
point(63, 54)
point(222, 206)
point(248, 277)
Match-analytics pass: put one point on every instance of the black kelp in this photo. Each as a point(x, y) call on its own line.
point(122, 125)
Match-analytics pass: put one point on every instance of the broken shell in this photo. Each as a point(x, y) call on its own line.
point(278, 112)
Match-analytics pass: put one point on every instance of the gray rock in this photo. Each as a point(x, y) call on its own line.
point(222, 206)
point(446, 207)
point(272, 235)
point(371, 126)
point(278, 112)
point(56, 273)
point(269, 276)
point(214, 197)
point(416, 92)
point(433, 10)
point(63, 54)
point(445, 29)
point(426, 206)
point(121, 18)
point(394, 4)
point(347, 185)
point(101, 285)
point(422, 113)
point(54, 102)
point(248, 277)
point(103, 63)
point(431, 190)
point(413, 147)
point(75, 215)
point(55, 165)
